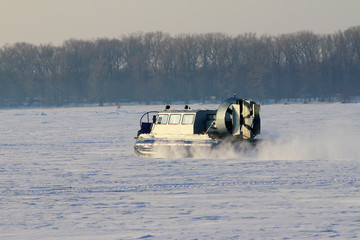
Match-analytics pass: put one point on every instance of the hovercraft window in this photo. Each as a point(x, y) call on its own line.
point(210, 117)
point(174, 119)
point(162, 119)
point(188, 119)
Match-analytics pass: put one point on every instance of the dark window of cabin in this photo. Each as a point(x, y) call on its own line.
point(210, 117)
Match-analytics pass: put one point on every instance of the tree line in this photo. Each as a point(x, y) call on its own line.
point(156, 66)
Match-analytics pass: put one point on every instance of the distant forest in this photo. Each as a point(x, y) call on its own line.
point(155, 66)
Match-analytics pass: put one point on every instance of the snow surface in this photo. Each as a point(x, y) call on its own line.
point(71, 173)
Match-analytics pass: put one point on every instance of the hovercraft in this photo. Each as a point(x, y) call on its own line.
point(235, 120)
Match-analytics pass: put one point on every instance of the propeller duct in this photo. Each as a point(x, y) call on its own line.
point(238, 117)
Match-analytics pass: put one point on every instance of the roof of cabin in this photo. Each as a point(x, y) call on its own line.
point(185, 111)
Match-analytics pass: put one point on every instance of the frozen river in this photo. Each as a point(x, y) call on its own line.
point(71, 173)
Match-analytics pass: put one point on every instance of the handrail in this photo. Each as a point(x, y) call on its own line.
point(147, 113)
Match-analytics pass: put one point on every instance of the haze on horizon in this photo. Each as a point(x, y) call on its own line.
point(43, 21)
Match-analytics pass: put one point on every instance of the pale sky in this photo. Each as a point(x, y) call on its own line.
point(54, 21)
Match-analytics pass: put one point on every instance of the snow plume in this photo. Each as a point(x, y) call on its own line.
point(329, 144)
point(171, 151)
point(308, 148)
point(329, 140)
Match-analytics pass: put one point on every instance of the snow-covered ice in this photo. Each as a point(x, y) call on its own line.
point(71, 173)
